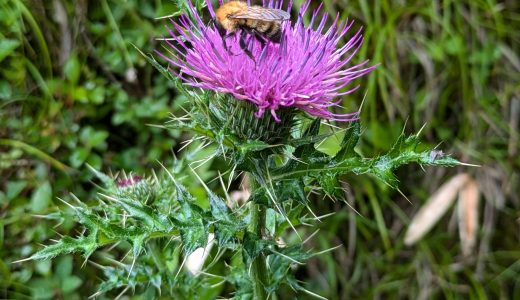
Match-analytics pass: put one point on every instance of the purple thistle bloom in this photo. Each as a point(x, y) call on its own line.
point(307, 70)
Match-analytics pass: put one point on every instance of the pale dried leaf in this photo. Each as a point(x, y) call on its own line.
point(239, 197)
point(468, 216)
point(195, 261)
point(434, 208)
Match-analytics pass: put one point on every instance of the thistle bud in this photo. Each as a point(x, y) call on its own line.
point(135, 187)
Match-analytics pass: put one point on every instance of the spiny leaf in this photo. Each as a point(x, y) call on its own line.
point(88, 218)
point(227, 226)
point(329, 183)
point(292, 189)
point(130, 276)
point(280, 264)
point(84, 244)
point(164, 71)
point(349, 141)
point(259, 196)
point(306, 151)
point(193, 227)
point(253, 246)
point(96, 223)
point(307, 140)
point(294, 215)
point(151, 218)
point(253, 146)
point(219, 209)
point(107, 180)
point(137, 244)
point(240, 279)
point(194, 235)
point(182, 193)
point(403, 152)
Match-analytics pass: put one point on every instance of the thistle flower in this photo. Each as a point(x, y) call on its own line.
point(307, 70)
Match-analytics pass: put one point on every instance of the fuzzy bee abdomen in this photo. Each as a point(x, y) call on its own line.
point(250, 23)
point(274, 32)
point(263, 26)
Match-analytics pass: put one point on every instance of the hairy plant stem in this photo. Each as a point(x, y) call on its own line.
point(258, 273)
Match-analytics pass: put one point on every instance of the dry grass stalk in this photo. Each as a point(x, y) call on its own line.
point(468, 216)
point(435, 207)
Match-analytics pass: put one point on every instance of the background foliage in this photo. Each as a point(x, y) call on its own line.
point(73, 90)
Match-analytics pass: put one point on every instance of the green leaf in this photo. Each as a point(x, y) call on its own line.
point(93, 138)
point(6, 91)
point(72, 69)
point(137, 244)
point(192, 222)
point(41, 197)
point(7, 46)
point(182, 193)
point(239, 277)
point(219, 209)
point(329, 183)
point(64, 267)
point(260, 196)
point(403, 152)
point(270, 221)
point(79, 156)
point(307, 150)
point(227, 226)
point(14, 188)
point(292, 189)
point(43, 288)
point(107, 180)
point(43, 267)
point(86, 245)
point(253, 246)
point(253, 146)
point(151, 218)
point(281, 262)
point(70, 284)
point(194, 235)
point(349, 141)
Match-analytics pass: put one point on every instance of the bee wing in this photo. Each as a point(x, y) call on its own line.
point(262, 13)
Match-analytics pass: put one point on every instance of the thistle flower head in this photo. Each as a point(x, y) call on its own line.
point(308, 69)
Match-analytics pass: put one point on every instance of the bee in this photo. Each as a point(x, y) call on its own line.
point(264, 24)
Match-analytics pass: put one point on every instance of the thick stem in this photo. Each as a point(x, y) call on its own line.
point(258, 273)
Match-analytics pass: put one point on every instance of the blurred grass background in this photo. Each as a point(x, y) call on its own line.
point(73, 90)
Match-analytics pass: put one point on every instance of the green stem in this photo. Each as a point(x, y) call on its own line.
point(36, 152)
point(258, 273)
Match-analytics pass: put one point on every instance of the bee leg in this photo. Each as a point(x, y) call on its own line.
point(223, 33)
point(221, 30)
point(261, 38)
point(244, 45)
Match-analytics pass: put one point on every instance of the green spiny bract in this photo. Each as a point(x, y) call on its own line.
point(239, 118)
